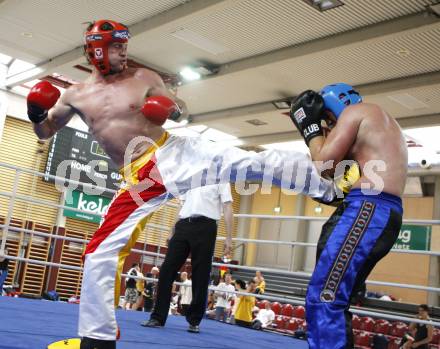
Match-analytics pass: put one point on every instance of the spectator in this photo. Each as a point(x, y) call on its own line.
point(3, 270)
point(131, 293)
point(210, 310)
point(224, 298)
point(243, 312)
point(185, 293)
point(260, 282)
point(147, 293)
point(139, 288)
point(155, 272)
point(420, 334)
point(264, 318)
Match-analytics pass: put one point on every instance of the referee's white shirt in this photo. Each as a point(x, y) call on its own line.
point(205, 201)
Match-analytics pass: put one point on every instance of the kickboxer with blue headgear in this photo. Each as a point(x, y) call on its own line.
point(367, 222)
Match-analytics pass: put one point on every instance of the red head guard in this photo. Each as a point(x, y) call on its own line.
point(98, 37)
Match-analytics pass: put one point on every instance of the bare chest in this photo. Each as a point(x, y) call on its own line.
point(106, 102)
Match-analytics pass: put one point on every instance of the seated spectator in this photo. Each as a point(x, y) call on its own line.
point(185, 293)
point(139, 288)
point(260, 282)
point(420, 334)
point(174, 304)
point(147, 293)
point(243, 312)
point(210, 309)
point(131, 293)
point(224, 298)
point(264, 318)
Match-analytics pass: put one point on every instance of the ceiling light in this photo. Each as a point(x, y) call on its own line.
point(318, 209)
point(403, 52)
point(189, 74)
point(324, 5)
point(27, 34)
point(196, 72)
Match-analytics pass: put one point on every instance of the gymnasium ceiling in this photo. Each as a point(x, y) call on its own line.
point(264, 50)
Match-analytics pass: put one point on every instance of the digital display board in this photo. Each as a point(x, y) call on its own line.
point(76, 155)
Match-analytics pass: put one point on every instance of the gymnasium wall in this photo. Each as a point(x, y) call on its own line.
point(395, 267)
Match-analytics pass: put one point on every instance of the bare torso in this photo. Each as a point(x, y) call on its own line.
point(111, 109)
point(379, 138)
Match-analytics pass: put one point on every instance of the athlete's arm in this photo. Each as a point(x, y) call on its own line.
point(337, 144)
point(58, 116)
point(158, 88)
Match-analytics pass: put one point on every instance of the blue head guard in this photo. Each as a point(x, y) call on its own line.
point(338, 96)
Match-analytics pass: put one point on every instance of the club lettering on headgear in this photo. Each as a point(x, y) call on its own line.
point(98, 37)
point(339, 96)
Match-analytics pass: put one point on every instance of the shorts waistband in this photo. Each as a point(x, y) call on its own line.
point(142, 160)
point(374, 196)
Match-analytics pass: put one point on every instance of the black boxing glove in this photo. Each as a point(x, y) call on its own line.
point(306, 112)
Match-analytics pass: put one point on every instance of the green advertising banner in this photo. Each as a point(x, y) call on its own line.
point(90, 203)
point(414, 237)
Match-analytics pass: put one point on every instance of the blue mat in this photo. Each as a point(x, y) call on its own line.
point(33, 324)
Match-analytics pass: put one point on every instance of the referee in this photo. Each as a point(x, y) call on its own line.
point(195, 232)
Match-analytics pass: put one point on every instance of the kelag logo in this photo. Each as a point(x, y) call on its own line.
point(95, 205)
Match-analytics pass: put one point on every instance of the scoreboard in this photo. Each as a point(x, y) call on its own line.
point(78, 156)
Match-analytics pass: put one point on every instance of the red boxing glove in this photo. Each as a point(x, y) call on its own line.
point(40, 99)
point(158, 109)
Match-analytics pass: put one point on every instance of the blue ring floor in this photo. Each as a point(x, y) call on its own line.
point(33, 324)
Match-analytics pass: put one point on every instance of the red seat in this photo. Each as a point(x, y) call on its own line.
point(299, 312)
point(292, 325)
point(398, 329)
point(356, 322)
point(362, 339)
point(367, 324)
point(394, 342)
point(262, 304)
point(382, 326)
point(287, 310)
point(280, 321)
point(276, 307)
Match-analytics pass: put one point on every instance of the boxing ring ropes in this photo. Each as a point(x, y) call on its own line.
point(14, 196)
